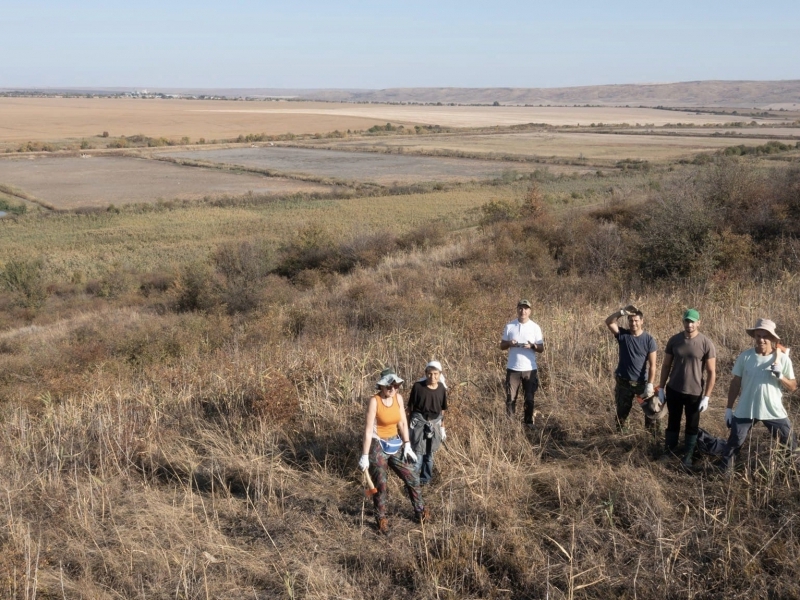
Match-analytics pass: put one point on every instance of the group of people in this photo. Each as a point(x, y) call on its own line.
point(405, 439)
point(688, 375)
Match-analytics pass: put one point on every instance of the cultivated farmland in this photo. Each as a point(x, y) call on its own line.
point(383, 169)
point(47, 119)
point(553, 145)
point(71, 182)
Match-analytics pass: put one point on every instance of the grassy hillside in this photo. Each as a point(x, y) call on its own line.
point(190, 428)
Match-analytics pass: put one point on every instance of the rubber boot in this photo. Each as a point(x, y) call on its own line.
point(670, 443)
point(691, 442)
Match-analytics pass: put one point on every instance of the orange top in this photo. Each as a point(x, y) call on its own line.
point(386, 419)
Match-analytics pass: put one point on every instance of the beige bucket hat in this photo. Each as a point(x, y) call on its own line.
point(764, 325)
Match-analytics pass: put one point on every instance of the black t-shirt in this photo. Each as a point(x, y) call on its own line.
point(429, 403)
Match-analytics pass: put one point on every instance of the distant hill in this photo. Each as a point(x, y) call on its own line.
point(733, 94)
point(745, 94)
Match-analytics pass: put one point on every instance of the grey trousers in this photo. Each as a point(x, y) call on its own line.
point(779, 428)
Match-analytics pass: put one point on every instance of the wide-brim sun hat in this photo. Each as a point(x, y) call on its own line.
point(388, 377)
point(764, 325)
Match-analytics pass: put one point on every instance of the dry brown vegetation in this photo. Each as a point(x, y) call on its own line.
point(193, 432)
point(48, 119)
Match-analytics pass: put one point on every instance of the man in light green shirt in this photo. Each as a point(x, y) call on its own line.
point(760, 376)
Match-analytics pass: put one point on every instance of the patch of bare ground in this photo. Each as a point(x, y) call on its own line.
point(65, 183)
point(384, 169)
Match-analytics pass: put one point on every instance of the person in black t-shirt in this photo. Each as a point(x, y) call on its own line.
point(636, 369)
point(426, 405)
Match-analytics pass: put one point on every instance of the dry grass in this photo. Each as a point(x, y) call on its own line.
point(148, 453)
point(49, 119)
point(546, 145)
point(167, 235)
point(226, 467)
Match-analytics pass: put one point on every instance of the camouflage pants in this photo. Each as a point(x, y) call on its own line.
point(379, 465)
point(625, 394)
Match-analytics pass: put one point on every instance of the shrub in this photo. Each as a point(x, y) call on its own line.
point(243, 268)
point(24, 277)
point(194, 288)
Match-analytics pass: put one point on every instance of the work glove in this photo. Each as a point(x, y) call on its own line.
point(729, 417)
point(649, 390)
point(444, 433)
point(408, 453)
point(704, 404)
point(775, 369)
point(662, 397)
point(363, 462)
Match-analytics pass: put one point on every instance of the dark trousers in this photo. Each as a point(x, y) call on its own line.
point(678, 404)
point(780, 429)
point(529, 382)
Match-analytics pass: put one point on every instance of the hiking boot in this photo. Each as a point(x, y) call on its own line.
point(422, 516)
point(383, 526)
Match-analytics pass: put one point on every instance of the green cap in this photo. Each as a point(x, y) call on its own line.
point(691, 315)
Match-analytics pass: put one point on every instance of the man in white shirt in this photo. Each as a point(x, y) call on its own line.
point(760, 376)
point(523, 339)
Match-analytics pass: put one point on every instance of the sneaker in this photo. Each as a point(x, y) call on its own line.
point(423, 516)
point(383, 526)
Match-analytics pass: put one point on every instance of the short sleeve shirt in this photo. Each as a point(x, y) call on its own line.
point(522, 359)
point(633, 352)
point(689, 357)
point(761, 393)
point(429, 403)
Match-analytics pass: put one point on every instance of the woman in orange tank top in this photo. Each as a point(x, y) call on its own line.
point(386, 446)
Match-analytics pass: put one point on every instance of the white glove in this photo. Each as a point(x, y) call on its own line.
point(775, 369)
point(444, 433)
point(729, 417)
point(363, 462)
point(704, 404)
point(649, 390)
point(408, 453)
point(662, 396)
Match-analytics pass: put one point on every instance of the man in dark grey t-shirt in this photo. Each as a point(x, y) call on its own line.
point(637, 364)
point(687, 380)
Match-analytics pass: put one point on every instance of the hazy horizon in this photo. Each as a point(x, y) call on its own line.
point(349, 45)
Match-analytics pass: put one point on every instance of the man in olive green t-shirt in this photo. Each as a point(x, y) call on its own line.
point(687, 380)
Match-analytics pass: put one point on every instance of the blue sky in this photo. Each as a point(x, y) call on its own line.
point(361, 44)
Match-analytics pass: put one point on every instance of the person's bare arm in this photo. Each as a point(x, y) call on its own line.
point(789, 384)
point(506, 344)
point(372, 410)
point(711, 373)
point(733, 390)
point(666, 367)
point(538, 347)
point(651, 366)
point(611, 322)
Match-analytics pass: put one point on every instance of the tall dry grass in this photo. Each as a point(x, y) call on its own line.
point(149, 453)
